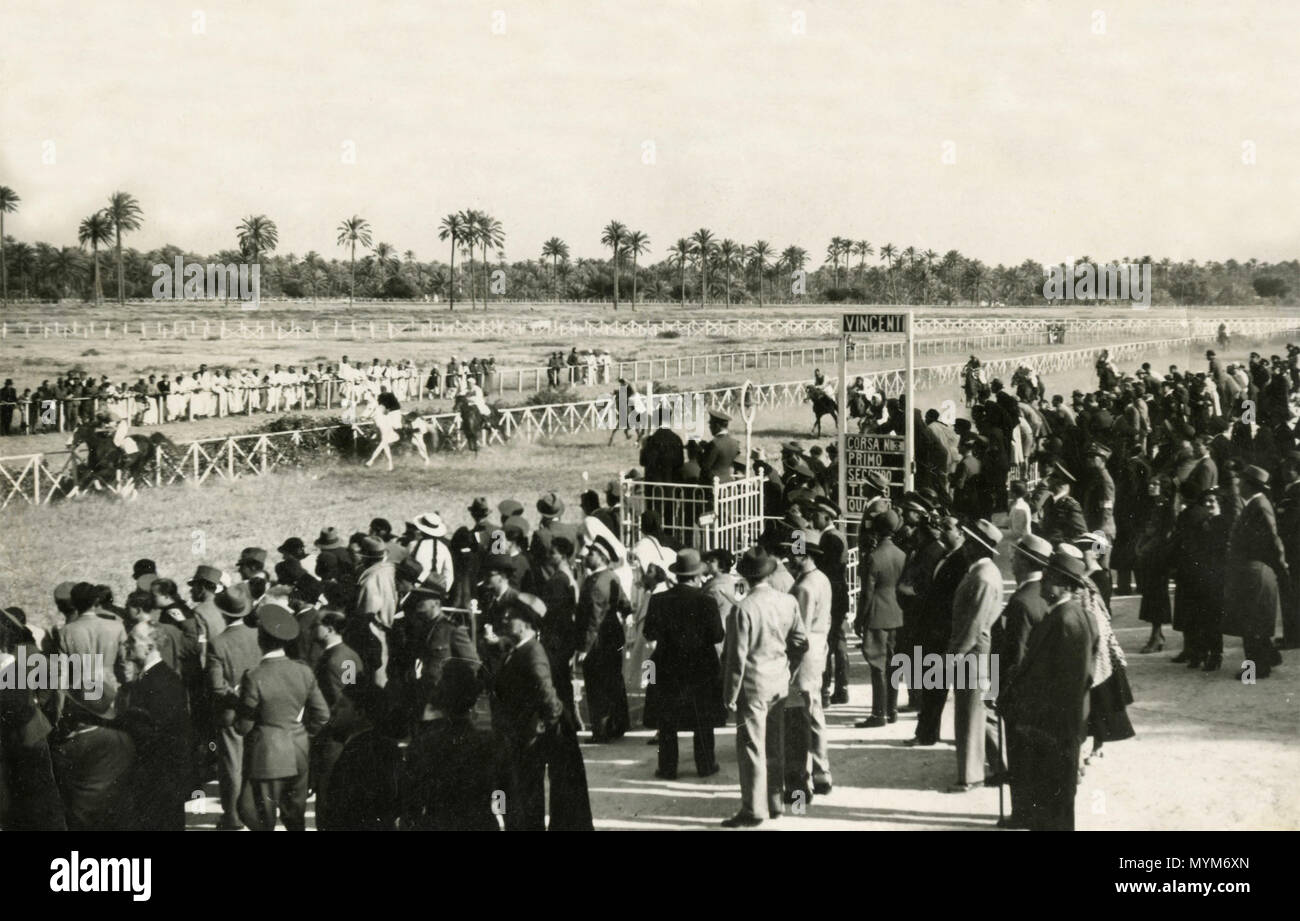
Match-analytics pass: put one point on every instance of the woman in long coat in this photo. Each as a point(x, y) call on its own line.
point(1152, 562)
point(1200, 544)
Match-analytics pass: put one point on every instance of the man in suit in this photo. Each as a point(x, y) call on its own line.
point(682, 630)
point(339, 668)
point(765, 641)
point(530, 717)
point(814, 592)
point(203, 594)
point(662, 454)
point(233, 652)
point(95, 631)
point(280, 708)
point(934, 624)
point(550, 507)
point(720, 453)
point(976, 604)
point(1010, 638)
point(831, 561)
point(560, 630)
point(156, 717)
point(1256, 566)
point(611, 515)
point(880, 616)
point(1045, 703)
point(454, 772)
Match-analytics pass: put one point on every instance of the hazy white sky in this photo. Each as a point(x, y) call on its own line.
point(1066, 142)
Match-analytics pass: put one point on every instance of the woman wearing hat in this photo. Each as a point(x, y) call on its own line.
point(602, 606)
point(1152, 561)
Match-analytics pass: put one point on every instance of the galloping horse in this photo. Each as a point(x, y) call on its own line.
point(108, 465)
point(473, 422)
point(823, 404)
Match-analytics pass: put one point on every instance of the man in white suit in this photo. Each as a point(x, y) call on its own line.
point(765, 641)
point(976, 605)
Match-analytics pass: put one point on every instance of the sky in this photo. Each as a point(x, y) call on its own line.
point(1007, 130)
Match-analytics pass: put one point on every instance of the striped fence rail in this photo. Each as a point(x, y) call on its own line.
point(37, 479)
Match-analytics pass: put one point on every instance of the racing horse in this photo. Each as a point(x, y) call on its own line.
point(473, 423)
point(100, 462)
point(824, 404)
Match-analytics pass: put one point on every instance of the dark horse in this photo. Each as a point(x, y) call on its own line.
point(473, 423)
point(101, 464)
point(824, 404)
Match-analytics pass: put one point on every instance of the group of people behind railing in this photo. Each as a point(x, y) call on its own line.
point(77, 398)
point(590, 366)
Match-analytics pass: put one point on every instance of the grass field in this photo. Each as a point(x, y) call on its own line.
point(97, 539)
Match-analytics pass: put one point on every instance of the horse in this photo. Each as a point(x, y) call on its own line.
point(823, 404)
point(108, 466)
point(473, 422)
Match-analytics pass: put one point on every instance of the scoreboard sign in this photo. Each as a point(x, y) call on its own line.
point(875, 323)
point(865, 453)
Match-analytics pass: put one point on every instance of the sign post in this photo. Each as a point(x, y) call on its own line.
point(861, 454)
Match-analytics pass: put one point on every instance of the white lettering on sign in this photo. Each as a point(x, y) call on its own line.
point(865, 454)
point(875, 323)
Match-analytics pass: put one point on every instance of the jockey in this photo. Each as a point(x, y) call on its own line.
point(121, 439)
point(473, 393)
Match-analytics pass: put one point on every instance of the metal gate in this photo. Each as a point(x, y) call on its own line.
point(727, 515)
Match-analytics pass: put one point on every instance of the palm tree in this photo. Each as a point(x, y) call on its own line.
point(96, 230)
point(257, 234)
point(681, 251)
point(452, 228)
point(385, 257)
point(758, 257)
point(704, 249)
point(833, 257)
point(125, 214)
point(794, 258)
point(8, 205)
point(887, 253)
point(312, 262)
point(728, 251)
point(490, 234)
point(638, 244)
point(352, 231)
point(66, 266)
point(555, 249)
point(471, 230)
point(862, 249)
point(613, 236)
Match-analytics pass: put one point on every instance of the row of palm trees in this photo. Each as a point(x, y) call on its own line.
point(467, 230)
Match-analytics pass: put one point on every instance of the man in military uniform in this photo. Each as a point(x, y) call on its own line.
point(280, 708)
point(1063, 521)
point(1099, 495)
point(721, 452)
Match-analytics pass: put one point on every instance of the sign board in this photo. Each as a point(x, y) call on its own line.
point(866, 453)
point(875, 323)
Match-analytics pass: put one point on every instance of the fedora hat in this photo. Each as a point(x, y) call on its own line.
point(277, 622)
point(879, 481)
point(798, 465)
point(1256, 475)
point(329, 538)
point(754, 564)
point(550, 505)
point(886, 523)
point(293, 547)
point(826, 505)
point(209, 574)
point(688, 563)
point(372, 547)
point(1068, 567)
point(253, 555)
point(985, 532)
point(432, 524)
point(63, 591)
point(809, 543)
point(1035, 549)
point(143, 567)
point(235, 602)
point(498, 562)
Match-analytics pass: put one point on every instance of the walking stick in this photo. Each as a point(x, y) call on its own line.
point(1002, 753)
